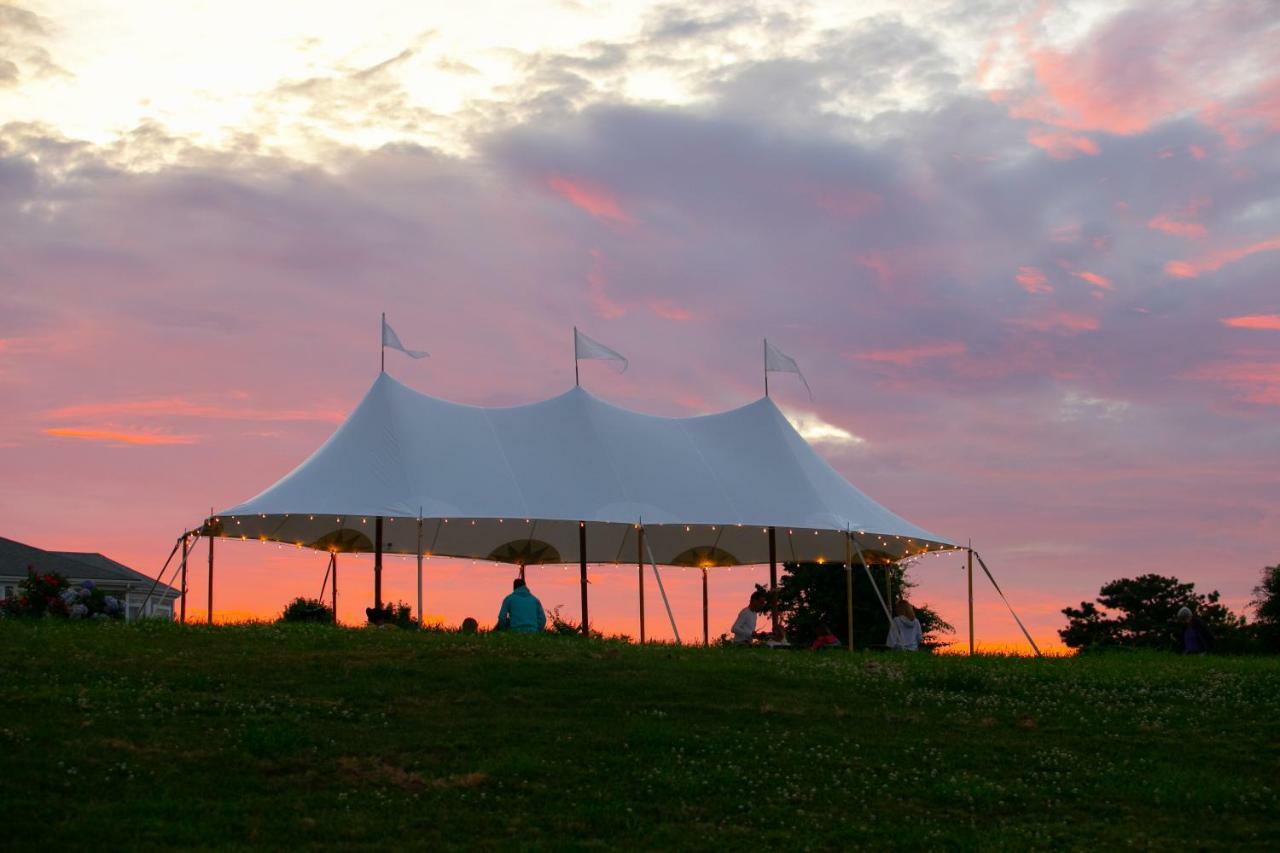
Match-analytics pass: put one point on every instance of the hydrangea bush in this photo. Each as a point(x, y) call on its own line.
point(51, 595)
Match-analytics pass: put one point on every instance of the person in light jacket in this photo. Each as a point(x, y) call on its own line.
point(904, 631)
point(744, 627)
point(521, 611)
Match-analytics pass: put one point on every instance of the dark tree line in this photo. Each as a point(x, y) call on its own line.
point(1141, 613)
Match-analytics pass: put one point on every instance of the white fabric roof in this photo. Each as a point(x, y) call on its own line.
point(512, 484)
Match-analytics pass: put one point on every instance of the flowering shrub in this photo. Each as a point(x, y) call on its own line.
point(51, 595)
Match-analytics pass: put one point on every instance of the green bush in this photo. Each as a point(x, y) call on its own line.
point(307, 610)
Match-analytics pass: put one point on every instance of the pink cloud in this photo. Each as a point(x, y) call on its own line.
point(1214, 261)
point(670, 311)
point(1162, 222)
point(182, 407)
point(1268, 322)
point(1033, 280)
point(1253, 381)
point(1093, 278)
point(119, 437)
point(592, 198)
point(911, 355)
point(1058, 321)
point(1060, 144)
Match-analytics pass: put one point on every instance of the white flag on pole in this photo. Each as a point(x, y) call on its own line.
point(391, 339)
point(777, 361)
point(584, 347)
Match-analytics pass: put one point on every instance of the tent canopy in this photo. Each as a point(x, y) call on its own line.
point(514, 484)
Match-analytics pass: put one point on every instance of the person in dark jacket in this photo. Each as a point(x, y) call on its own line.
point(1192, 634)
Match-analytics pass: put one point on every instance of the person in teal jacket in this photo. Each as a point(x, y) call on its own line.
point(521, 611)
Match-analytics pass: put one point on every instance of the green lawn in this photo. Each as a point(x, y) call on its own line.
point(155, 735)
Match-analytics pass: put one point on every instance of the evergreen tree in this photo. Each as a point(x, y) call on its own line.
point(1140, 612)
point(1266, 608)
point(810, 594)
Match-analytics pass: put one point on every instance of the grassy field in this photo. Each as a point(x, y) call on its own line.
point(155, 735)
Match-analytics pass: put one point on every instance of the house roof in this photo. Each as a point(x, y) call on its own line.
point(16, 556)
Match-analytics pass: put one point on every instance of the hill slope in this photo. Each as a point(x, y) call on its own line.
point(149, 735)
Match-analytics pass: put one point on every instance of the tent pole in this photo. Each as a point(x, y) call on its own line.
point(575, 357)
point(582, 565)
point(382, 340)
point(209, 615)
point(848, 589)
point(640, 575)
point(420, 568)
point(377, 564)
point(183, 618)
point(970, 574)
point(773, 579)
point(766, 367)
point(333, 561)
point(888, 585)
point(706, 632)
point(662, 589)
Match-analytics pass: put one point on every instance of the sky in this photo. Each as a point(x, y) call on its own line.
point(1025, 253)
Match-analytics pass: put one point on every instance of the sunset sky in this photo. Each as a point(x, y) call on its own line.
point(1026, 253)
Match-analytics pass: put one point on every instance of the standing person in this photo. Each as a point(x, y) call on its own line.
point(1193, 635)
point(744, 627)
point(521, 611)
point(904, 631)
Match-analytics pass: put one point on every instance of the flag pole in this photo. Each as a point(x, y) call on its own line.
point(382, 340)
point(575, 356)
point(766, 367)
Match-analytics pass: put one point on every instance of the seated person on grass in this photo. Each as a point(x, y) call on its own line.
point(744, 627)
point(904, 631)
point(825, 639)
point(521, 611)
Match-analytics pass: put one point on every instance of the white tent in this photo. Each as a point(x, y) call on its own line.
point(528, 484)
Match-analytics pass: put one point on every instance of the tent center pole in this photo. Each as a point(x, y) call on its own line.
point(420, 614)
point(377, 563)
point(582, 565)
point(333, 561)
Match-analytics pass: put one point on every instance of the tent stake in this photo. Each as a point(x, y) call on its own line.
point(640, 575)
point(970, 574)
point(582, 565)
point(773, 576)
